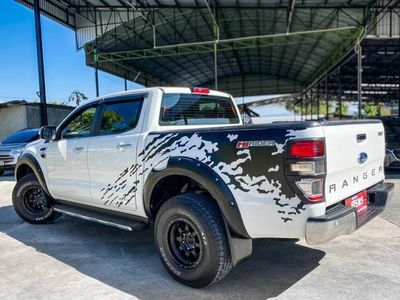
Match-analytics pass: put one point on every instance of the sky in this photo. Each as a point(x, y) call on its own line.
point(65, 68)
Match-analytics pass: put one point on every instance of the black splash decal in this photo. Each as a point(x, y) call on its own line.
point(252, 171)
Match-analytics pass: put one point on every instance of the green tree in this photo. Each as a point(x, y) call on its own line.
point(295, 106)
point(76, 97)
point(370, 110)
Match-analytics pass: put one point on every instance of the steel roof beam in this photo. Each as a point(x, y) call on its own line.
point(313, 48)
point(142, 5)
point(224, 45)
point(184, 39)
point(291, 5)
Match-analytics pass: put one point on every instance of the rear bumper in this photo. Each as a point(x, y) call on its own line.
point(340, 220)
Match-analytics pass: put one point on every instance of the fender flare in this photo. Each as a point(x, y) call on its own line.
point(29, 160)
point(210, 180)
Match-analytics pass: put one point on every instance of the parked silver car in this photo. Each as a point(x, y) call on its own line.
point(12, 146)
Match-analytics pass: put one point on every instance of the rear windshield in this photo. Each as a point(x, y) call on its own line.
point(25, 136)
point(192, 109)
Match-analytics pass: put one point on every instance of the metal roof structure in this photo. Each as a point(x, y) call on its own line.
point(242, 47)
point(380, 72)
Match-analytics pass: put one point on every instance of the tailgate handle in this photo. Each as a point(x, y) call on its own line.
point(361, 137)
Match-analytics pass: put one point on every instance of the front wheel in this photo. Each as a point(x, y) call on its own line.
point(31, 202)
point(191, 239)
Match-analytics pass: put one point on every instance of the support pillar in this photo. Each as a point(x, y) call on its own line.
point(326, 96)
point(96, 62)
point(39, 51)
point(125, 83)
point(340, 93)
point(301, 107)
point(359, 79)
point(216, 65)
point(318, 98)
point(311, 103)
point(306, 110)
point(96, 78)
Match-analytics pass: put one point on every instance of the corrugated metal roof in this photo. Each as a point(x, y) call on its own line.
point(170, 42)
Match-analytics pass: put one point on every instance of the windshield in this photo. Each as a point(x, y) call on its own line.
point(25, 136)
point(192, 109)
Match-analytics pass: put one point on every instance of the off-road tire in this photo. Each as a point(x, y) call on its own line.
point(22, 187)
point(205, 217)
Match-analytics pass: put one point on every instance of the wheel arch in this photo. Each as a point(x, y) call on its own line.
point(28, 164)
point(207, 178)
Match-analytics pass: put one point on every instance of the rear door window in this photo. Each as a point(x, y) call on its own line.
point(120, 116)
point(192, 109)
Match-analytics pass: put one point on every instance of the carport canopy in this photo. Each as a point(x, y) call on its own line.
point(242, 47)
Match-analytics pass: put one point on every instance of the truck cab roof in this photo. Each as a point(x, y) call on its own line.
point(181, 90)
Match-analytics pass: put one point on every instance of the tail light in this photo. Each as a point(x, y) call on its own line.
point(201, 91)
point(307, 149)
point(305, 169)
point(312, 188)
point(308, 167)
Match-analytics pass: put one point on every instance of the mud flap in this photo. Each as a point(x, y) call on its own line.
point(241, 249)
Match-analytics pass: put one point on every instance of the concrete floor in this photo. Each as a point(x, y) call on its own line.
point(76, 259)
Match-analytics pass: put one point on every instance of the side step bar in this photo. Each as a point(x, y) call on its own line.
point(114, 219)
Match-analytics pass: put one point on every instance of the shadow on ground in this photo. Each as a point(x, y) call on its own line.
point(128, 261)
point(7, 176)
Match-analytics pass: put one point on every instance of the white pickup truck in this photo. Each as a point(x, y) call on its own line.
point(182, 158)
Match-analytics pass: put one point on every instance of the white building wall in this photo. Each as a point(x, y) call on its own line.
point(12, 119)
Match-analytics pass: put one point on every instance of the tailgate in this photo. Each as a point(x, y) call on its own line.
point(355, 154)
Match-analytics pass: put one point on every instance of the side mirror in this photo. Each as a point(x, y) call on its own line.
point(48, 133)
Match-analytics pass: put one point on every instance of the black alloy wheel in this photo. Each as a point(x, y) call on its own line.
point(185, 243)
point(31, 202)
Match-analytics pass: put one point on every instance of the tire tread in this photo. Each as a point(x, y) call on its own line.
point(206, 207)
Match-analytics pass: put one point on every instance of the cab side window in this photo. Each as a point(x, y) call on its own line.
point(120, 116)
point(81, 125)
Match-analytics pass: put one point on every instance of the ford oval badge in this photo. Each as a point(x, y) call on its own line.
point(362, 157)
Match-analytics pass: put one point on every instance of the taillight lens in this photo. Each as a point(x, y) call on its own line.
point(307, 149)
point(308, 167)
point(312, 188)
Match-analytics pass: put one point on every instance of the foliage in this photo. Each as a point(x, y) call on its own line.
point(76, 97)
point(56, 103)
point(308, 107)
point(369, 110)
point(373, 110)
point(111, 120)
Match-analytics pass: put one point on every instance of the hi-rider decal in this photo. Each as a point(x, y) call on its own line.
point(346, 182)
point(253, 173)
point(248, 144)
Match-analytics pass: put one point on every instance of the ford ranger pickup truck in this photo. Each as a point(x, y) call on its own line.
point(182, 159)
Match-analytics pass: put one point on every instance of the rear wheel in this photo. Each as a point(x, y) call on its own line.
point(191, 240)
point(31, 203)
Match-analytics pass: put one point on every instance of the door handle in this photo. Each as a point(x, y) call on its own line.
point(361, 137)
point(77, 149)
point(124, 146)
